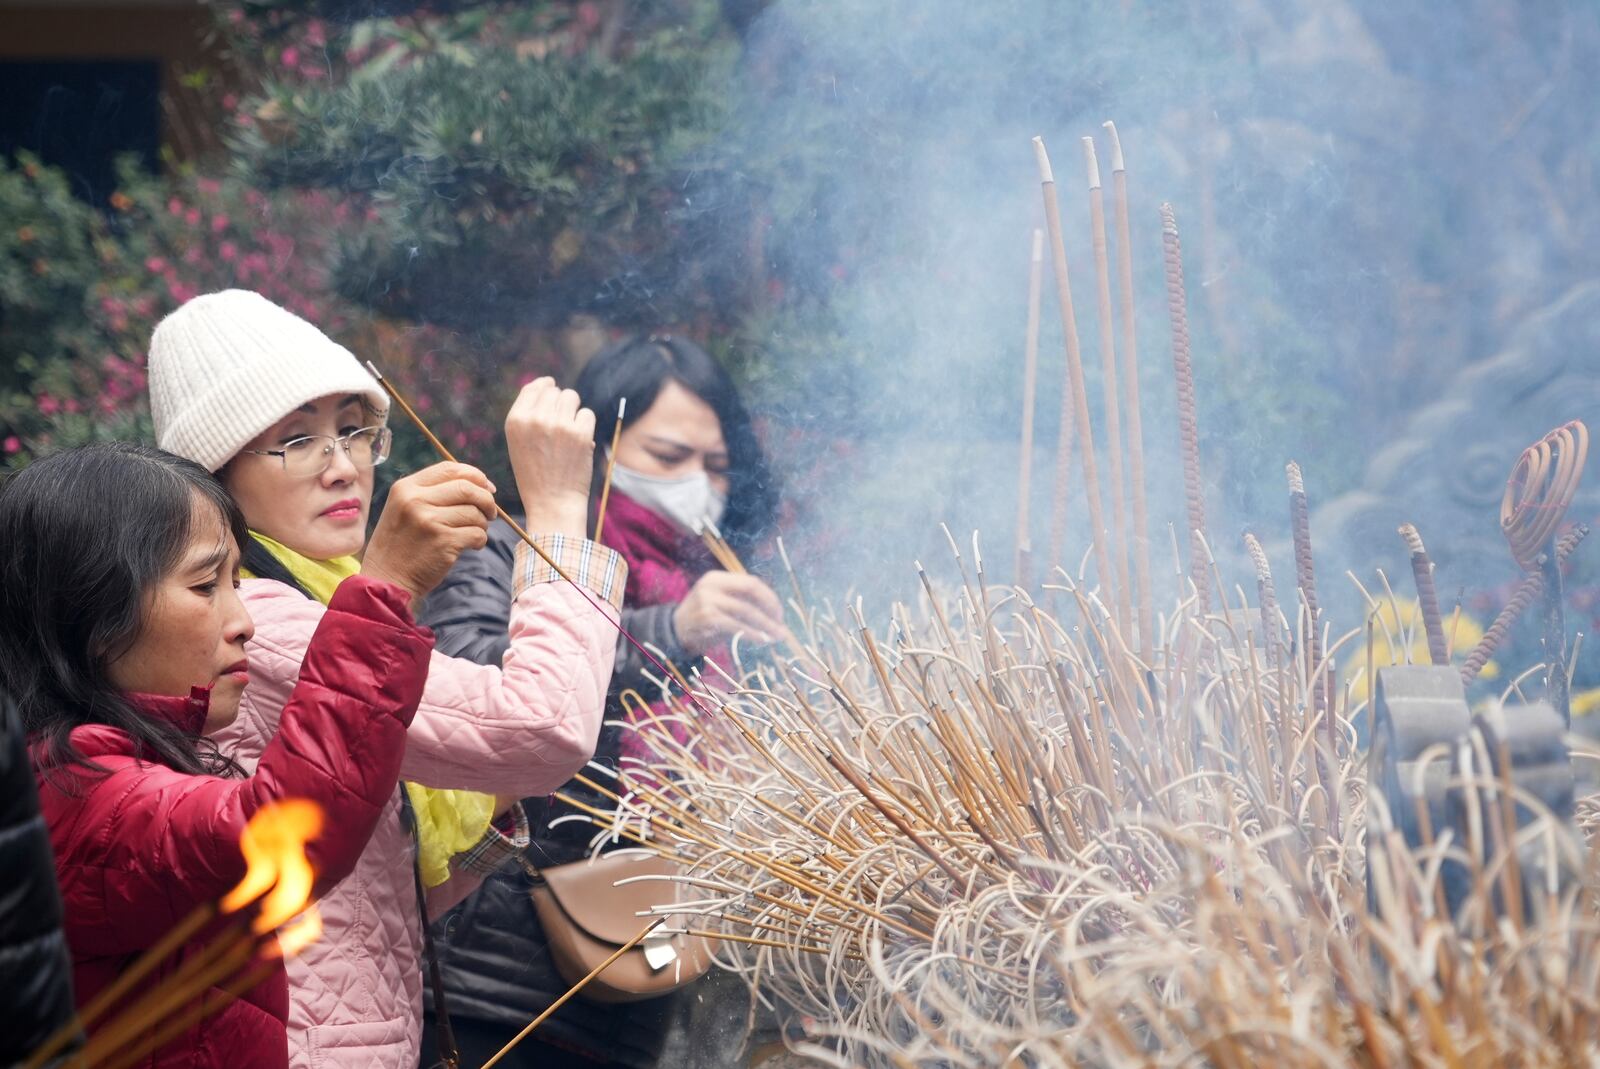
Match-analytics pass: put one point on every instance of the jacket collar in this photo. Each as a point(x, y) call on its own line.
point(187, 714)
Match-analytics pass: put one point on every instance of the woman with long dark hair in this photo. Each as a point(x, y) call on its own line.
point(124, 641)
point(295, 427)
point(687, 454)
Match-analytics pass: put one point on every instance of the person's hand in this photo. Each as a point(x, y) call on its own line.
point(430, 519)
point(723, 604)
point(550, 439)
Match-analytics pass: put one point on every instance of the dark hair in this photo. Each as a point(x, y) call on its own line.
point(87, 534)
point(637, 368)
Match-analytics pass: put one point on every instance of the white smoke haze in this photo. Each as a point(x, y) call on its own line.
point(1371, 198)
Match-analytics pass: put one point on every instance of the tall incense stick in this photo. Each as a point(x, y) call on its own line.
point(1030, 384)
point(1108, 371)
point(1130, 393)
point(611, 464)
point(1074, 403)
point(1188, 421)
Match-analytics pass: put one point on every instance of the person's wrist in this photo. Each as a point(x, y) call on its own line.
point(566, 514)
point(375, 570)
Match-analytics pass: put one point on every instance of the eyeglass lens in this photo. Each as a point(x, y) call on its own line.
point(313, 454)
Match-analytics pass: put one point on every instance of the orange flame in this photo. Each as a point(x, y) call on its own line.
point(274, 851)
point(301, 934)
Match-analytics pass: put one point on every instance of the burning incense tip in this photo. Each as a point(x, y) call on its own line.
point(375, 372)
point(1038, 245)
point(1116, 145)
point(1091, 164)
point(622, 408)
point(1046, 175)
point(1412, 538)
point(1297, 482)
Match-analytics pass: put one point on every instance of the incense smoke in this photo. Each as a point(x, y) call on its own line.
point(1353, 186)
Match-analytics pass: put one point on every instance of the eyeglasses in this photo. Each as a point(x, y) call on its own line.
point(311, 456)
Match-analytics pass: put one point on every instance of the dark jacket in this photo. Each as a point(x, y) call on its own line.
point(139, 845)
point(35, 970)
point(491, 950)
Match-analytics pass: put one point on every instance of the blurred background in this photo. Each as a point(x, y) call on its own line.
point(1388, 212)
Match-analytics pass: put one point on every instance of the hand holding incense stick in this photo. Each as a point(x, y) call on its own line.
point(516, 527)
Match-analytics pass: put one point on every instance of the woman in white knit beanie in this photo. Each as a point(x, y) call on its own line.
point(294, 426)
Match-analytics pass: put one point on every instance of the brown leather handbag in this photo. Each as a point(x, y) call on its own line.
point(586, 915)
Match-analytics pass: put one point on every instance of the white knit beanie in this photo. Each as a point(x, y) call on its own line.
point(226, 366)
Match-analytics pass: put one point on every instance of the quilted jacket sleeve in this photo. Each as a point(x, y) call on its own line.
point(470, 616)
point(521, 728)
point(35, 971)
point(147, 843)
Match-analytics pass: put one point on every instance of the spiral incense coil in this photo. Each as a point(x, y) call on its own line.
point(1527, 591)
point(1540, 490)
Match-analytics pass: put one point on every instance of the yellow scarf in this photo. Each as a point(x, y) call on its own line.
point(448, 822)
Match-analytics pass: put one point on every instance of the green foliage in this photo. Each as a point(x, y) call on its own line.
point(518, 173)
point(48, 267)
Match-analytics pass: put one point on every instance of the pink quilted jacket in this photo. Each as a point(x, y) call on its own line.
point(518, 730)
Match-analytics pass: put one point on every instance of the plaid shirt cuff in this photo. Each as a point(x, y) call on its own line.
point(494, 848)
point(599, 568)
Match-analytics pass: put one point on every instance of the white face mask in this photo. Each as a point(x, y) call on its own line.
point(688, 501)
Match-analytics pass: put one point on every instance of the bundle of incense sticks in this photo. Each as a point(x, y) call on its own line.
point(986, 827)
point(984, 832)
point(245, 950)
point(719, 548)
point(991, 832)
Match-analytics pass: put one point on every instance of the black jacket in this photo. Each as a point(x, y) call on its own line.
point(35, 969)
point(491, 951)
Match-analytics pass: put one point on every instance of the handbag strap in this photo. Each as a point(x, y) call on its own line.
point(449, 1054)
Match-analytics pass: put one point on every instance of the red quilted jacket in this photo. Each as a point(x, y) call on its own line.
point(138, 848)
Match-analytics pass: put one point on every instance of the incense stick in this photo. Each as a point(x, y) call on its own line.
point(516, 528)
point(573, 990)
point(159, 951)
point(1074, 401)
point(1188, 422)
point(1030, 381)
point(1108, 371)
point(611, 465)
point(1130, 386)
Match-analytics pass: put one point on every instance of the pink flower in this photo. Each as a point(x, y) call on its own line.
point(13, 445)
point(175, 206)
point(290, 57)
point(48, 406)
point(155, 265)
point(230, 100)
point(209, 186)
point(182, 291)
point(228, 251)
point(219, 223)
point(73, 406)
point(192, 216)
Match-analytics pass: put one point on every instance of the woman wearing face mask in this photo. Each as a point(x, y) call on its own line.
point(294, 426)
point(687, 453)
point(124, 638)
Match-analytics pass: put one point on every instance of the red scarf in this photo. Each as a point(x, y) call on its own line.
point(663, 563)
